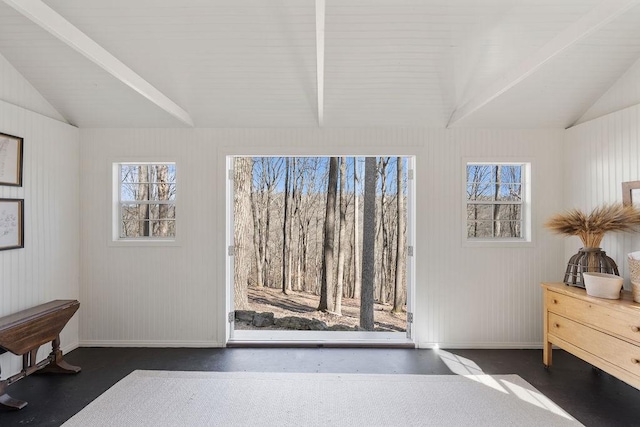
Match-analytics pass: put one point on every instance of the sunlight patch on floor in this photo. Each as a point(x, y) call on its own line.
point(536, 398)
point(469, 369)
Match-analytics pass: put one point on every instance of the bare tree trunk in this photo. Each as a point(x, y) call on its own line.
point(257, 233)
point(348, 264)
point(242, 230)
point(368, 245)
point(143, 194)
point(266, 256)
point(357, 279)
point(293, 207)
point(162, 174)
point(398, 296)
point(315, 259)
point(342, 242)
point(474, 194)
point(326, 285)
point(496, 207)
point(304, 250)
point(285, 235)
point(384, 264)
point(515, 192)
point(298, 285)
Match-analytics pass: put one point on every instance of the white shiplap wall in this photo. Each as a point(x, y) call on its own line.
point(600, 155)
point(484, 296)
point(47, 268)
point(174, 296)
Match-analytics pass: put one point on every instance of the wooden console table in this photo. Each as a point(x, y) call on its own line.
point(24, 332)
point(602, 332)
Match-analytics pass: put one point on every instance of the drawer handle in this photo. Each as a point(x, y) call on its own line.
point(635, 361)
point(556, 325)
point(555, 301)
point(635, 329)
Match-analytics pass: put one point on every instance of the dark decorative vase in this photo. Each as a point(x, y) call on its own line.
point(588, 260)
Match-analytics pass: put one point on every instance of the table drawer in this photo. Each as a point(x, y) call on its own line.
point(604, 317)
point(620, 353)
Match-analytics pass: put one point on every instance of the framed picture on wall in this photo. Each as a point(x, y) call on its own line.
point(10, 160)
point(11, 224)
point(631, 193)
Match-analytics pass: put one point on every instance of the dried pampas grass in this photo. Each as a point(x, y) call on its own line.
point(592, 228)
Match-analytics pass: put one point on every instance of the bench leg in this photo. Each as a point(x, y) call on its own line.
point(58, 365)
point(8, 401)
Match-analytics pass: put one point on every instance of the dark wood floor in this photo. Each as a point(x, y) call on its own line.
point(593, 397)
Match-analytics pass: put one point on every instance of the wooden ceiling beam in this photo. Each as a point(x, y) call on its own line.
point(58, 26)
point(598, 17)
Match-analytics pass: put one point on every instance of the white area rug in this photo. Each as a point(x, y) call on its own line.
point(162, 398)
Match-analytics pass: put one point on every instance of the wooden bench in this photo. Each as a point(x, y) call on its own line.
point(22, 333)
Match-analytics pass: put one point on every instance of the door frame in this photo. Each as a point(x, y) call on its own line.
point(357, 338)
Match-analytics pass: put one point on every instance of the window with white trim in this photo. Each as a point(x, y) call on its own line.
point(146, 205)
point(496, 207)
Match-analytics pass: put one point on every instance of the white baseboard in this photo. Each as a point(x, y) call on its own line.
point(211, 344)
point(70, 347)
point(483, 346)
point(158, 344)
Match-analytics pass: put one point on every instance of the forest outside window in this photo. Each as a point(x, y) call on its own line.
point(327, 234)
point(146, 208)
point(496, 202)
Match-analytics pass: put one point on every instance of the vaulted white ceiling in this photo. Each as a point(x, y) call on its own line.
point(331, 63)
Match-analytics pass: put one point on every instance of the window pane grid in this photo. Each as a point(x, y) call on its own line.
point(495, 202)
point(146, 200)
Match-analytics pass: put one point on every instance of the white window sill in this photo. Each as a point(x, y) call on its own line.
point(145, 242)
point(497, 243)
